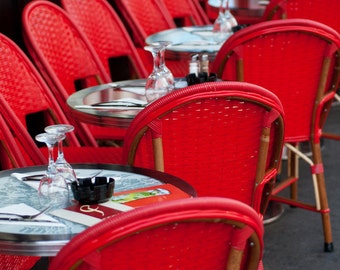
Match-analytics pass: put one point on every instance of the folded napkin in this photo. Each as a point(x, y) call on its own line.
point(24, 209)
point(32, 183)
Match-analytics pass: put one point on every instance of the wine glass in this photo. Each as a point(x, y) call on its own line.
point(62, 166)
point(223, 25)
point(163, 68)
point(53, 185)
point(159, 82)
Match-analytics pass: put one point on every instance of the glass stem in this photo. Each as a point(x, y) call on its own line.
point(60, 151)
point(51, 167)
point(156, 60)
point(222, 7)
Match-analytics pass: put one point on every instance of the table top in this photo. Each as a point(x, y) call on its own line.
point(46, 239)
point(187, 41)
point(82, 109)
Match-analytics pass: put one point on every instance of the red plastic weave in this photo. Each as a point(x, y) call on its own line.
point(315, 10)
point(64, 56)
point(145, 18)
point(187, 12)
point(27, 94)
point(167, 236)
point(286, 57)
point(102, 26)
point(298, 60)
point(211, 137)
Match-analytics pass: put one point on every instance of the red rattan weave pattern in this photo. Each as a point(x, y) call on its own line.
point(27, 94)
point(182, 234)
point(298, 60)
point(64, 56)
point(105, 31)
point(287, 59)
point(62, 45)
point(145, 18)
point(17, 262)
point(186, 11)
point(210, 137)
point(24, 90)
point(307, 9)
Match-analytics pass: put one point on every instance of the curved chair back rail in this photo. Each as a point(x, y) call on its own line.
point(106, 32)
point(65, 58)
point(169, 235)
point(298, 60)
point(224, 138)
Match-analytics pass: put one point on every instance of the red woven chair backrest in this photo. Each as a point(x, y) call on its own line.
point(104, 29)
point(296, 59)
point(186, 13)
point(17, 147)
point(60, 50)
point(25, 91)
point(317, 10)
point(145, 18)
point(198, 233)
point(210, 135)
point(65, 58)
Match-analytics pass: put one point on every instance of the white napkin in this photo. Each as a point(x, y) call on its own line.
point(20, 176)
point(24, 209)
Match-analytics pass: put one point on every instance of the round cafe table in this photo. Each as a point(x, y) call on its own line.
point(187, 41)
point(47, 238)
point(82, 103)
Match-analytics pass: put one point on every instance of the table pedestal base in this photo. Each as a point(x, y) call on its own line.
point(274, 212)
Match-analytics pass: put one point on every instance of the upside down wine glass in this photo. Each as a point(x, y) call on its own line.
point(53, 185)
point(223, 25)
point(160, 81)
point(61, 165)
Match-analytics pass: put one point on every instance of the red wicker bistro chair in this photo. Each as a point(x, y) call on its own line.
point(64, 57)
point(317, 10)
point(186, 13)
point(106, 32)
point(170, 235)
point(145, 18)
point(298, 60)
point(34, 105)
point(224, 138)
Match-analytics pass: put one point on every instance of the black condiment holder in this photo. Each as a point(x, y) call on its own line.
point(202, 77)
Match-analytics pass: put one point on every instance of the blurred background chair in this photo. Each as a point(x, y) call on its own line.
point(64, 57)
point(224, 138)
point(298, 60)
point(317, 10)
point(104, 29)
point(35, 108)
point(186, 13)
point(145, 18)
point(169, 235)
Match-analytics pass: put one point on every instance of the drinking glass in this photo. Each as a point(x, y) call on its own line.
point(53, 185)
point(62, 166)
point(163, 68)
point(160, 81)
point(223, 25)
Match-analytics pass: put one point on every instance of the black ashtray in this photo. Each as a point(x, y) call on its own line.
point(93, 190)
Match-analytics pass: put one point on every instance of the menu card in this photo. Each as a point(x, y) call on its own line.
point(121, 202)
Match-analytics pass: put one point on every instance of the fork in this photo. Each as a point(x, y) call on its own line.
point(28, 217)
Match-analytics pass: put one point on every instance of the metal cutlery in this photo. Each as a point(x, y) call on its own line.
point(121, 102)
point(26, 220)
point(19, 217)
